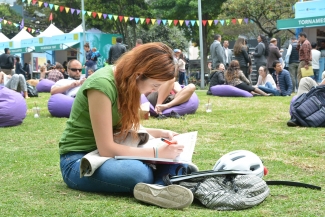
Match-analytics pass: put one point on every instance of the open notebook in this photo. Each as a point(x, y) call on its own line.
point(187, 139)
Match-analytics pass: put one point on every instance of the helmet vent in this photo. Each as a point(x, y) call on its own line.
point(237, 157)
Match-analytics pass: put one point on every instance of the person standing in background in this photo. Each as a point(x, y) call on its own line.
point(261, 52)
point(116, 51)
point(89, 64)
point(241, 55)
point(7, 62)
point(305, 57)
point(138, 42)
point(19, 68)
point(228, 53)
point(273, 55)
point(292, 57)
point(217, 52)
point(316, 54)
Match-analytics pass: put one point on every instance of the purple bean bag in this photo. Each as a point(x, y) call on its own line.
point(291, 102)
point(228, 90)
point(188, 107)
point(44, 85)
point(13, 107)
point(59, 105)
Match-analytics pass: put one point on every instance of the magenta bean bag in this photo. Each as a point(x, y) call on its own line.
point(13, 107)
point(59, 105)
point(188, 107)
point(44, 85)
point(291, 102)
point(228, 90)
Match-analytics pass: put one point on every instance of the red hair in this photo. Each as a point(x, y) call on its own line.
point(151, 60)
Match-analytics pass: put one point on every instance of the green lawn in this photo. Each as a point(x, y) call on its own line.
point(31, 183)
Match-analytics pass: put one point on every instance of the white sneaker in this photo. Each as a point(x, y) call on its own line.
point(171, 197)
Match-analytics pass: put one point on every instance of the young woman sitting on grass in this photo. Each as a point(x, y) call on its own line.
point(265, 81)
point(235, 77)
point(109, 102)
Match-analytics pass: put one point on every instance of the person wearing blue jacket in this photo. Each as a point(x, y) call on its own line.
point(282, 79)
point(19, 68)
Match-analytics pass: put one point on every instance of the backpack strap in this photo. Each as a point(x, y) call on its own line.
point(295, 184)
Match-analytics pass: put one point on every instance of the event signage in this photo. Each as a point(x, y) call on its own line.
point(65, 38)
point(309, 9)
point(4, 45)
point(49, 47)
point(19, 50)
point(300, 22)
point(38, 41)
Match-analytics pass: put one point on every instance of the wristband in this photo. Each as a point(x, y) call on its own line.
point(156, 152)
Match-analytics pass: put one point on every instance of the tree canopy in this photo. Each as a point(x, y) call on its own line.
point(264, 13)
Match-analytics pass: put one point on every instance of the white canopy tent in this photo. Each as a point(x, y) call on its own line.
point(22, 35)
point(79, 29)
point(51, 31)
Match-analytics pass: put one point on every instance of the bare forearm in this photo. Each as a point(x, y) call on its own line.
point(62, 89)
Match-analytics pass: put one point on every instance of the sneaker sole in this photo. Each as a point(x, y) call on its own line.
point(170, 197)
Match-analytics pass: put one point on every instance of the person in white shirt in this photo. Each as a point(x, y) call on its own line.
point(228, 53)
point(265, 81)
point(315, 56)
point(71, 85)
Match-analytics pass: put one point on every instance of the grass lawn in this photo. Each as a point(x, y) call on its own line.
point(31, 182)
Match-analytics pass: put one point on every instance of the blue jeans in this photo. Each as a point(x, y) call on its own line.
point(316, 72)
point(114, 175)
point(182, 78)
point(268, 88)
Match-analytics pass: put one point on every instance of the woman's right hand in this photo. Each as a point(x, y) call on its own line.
point(170, 151)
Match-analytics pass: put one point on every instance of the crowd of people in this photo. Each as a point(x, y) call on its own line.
point(273, 75)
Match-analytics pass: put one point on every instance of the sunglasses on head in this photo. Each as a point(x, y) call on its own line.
point(75, 69)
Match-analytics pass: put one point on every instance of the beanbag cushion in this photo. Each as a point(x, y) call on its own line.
point(44, 85)
point(59, 105)
point(228, 90)
point(291, 102)
point(188, 107)
point(13, 107)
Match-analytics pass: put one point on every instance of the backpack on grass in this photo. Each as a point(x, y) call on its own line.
point(31, 90)
point(220, 191)
point(308, 110)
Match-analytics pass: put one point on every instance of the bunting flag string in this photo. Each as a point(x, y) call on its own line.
point(8, 22)
point(148, 21)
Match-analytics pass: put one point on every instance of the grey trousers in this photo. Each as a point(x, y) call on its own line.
point(293, 69)
point(17, 83)
point(305, 85)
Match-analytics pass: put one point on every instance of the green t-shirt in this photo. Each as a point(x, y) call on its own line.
point(78, 134)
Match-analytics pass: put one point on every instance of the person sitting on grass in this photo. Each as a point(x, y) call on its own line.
point(71, 85)
point(282, 79)
point(217, 77)
point(168, 95)
point(108, 103)
point(265, 81)
point(235, 77)
point(14, 82)
point(56, 74)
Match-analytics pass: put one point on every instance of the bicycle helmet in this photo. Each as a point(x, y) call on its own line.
point(240, 160)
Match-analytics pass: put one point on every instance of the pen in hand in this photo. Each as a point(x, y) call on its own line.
point(166, 141)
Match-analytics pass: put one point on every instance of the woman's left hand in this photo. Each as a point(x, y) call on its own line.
point(168, 134)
